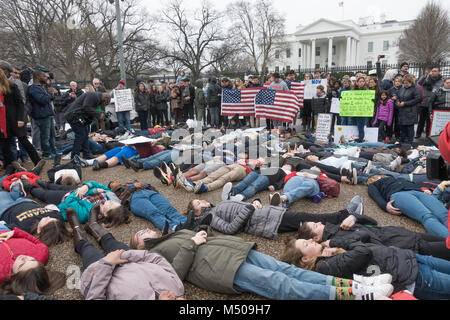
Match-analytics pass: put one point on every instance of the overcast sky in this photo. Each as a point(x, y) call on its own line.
point(305, 12)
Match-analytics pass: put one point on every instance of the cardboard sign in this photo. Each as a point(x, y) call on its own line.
point(335, 105)
point(311, 87)
point(123, 100)
point(439, 121)
point(351, 133)
point(357, 103)
point(323, 127)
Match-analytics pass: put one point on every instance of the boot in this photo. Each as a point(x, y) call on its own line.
point(57, 160)
point(38, 168)
point(78, 233)
point(92, 227)
point(18, 167)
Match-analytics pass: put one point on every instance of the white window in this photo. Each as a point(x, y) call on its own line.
point(288, 53)
point(277, 54)
point(299, 52)
point(385, 45)
point(277, 69)
point(334, 50)
point(317, 51)
point(370, 47)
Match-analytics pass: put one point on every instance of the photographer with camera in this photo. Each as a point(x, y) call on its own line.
point(386, 79)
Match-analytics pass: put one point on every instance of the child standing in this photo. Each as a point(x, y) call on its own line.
point(383, 118)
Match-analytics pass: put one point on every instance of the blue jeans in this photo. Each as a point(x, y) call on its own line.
point(299, 187)
point(369, 144)
point(94, 147)
point(9, 199)
point(167, 156)
point(4, 228)
point(251, 185)
point(361, 122)
point(407, 134)
point(154, 207)
point(47, 135)
point(426, 209)
point(124, 119)
point(81, 139)
point(433, 281)
point(273, 279)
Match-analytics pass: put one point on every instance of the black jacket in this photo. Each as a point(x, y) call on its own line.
point(439, 100)
point(15, 111)
point(141, 100)
point(411, 96)
point(66, 166)
point(382, 190)
point(366, 259)
point(212, 96)
point(68, 99)
point(84, 108)
point(429, 85)
point(160, 101)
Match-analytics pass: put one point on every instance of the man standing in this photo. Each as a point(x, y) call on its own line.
point(226, 84)
point(97, 86)
point(404, 67)
point(213, 98)
point(42, 112)
point(278, 85)
point(187, 100)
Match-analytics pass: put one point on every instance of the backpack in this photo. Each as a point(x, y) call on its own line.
point(329, 186)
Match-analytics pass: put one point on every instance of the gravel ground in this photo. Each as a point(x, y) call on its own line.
point(63, 258)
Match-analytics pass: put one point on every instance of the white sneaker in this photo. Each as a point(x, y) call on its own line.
point(301, 149)
point(226, 191)
point(182, 181)
point(17, 185)
point(374, 280)
point(238, 197)
point(368, 167)
point(372, 292)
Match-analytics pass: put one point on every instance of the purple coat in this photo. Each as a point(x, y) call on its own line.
point(385, 112)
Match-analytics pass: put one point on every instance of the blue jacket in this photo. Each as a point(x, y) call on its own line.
point(40, 102)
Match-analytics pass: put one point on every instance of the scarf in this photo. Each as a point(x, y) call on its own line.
point(3, 116)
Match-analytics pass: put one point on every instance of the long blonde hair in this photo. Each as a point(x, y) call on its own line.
point(5, 85)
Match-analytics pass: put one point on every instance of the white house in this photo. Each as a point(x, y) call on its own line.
point(343, 43)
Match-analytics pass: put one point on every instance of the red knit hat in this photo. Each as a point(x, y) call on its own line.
point(444, 143)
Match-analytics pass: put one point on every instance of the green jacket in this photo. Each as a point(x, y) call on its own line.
point(199, 101)
point(82, 207)
point(211, 266)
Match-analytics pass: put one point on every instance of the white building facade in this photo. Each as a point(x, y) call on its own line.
point(326, 43)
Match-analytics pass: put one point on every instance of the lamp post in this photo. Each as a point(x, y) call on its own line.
point(120, 41)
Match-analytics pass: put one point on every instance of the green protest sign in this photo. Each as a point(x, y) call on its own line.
point(357, 103)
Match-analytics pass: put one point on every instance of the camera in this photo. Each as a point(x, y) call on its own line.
point(382, 56)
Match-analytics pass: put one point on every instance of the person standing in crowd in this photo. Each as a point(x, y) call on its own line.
point(42, 112)
point(213, 99)
point(97, 86)
point(404, 67)
point(123, 117)
point(166, 90)
point(361, 122)
point(430, 83)
point(346, 86)
point(254, 83)
point(68, 97)
point(319, 104)
point(181, 76)
point(187, 100)
point(175, 102)
point(306, 112)
point(408, 101)
point(161, 107)
point(384, 115)
point(142, 103)
point(223, 120)
point(393, 93)
point(80, 114)
point(199, 101)
point(278, 85)
point(440, 99)
point(152, 112)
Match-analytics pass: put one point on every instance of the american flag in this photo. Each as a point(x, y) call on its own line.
point(277, 105)
point(242, 102)
point(266, 85)
point(299, 89)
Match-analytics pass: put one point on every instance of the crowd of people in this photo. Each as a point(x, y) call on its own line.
point(331, 256)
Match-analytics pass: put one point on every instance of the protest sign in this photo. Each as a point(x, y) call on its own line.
point(357, 103)
point(137, 140)
point(123, 100)
point(311, 87)
point(351, 133)
point(335, 105)
point(439, 121)
point(323, 127)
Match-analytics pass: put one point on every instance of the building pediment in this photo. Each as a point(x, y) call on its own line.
point(323, 26)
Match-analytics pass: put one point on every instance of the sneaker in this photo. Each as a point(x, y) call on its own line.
point(57, 160)
point(275, 199)
point(374, 280)
point(226, 191)
point(354, 203)
point(185, 183)
point(318, 197)
point(165, 168)
point(354, 179)
point(17, 185)
point(96, 166)
point(125, 162)
point(161, 175)
point(301, 149)
point(368, 167)
point(238, 197)
point(200, 187)
point(381, 291)
point(81, 162)
point(174, 169)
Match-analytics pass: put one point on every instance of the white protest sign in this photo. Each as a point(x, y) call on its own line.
point(123, 100)
point(323, 127)
point(335, 105)
point(351, 133)
point(311, 87)
point(440, 120)
point(137, 140)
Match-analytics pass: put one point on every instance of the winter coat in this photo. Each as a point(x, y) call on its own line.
point(213, 98)
point(429, 85)
point(199, 100)
point(40, 99)
point(141, 100)
point(231, 217)
point(68, 99)
point(385, 112)
point(16, 176)
point(84, 108)
point(15, 111)
point(21, 243)
point(440, 100)
point(175, 99)
point(144, 277)
point(320, 104)
point(412, 97)
point(363, 259)
point(51, 173)
point(160, 101)
point(381, 191)
point(211, 266)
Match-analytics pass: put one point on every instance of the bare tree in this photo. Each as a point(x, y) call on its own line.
point(259, 29)
point(427, 40)
point(194, 36)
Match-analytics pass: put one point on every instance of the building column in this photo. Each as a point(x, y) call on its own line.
point(356, 53)
point(330, 52)
point(349, 51)
point(302, 59)
point(313, 53)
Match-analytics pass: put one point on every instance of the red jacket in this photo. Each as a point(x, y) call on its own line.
point(21, 243)
point(10, 179)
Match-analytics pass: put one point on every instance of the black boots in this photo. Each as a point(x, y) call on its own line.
point(38, 168)
point(78, 233)
point(92, 227)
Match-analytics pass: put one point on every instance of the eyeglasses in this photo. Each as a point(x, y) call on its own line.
point(14, 72)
